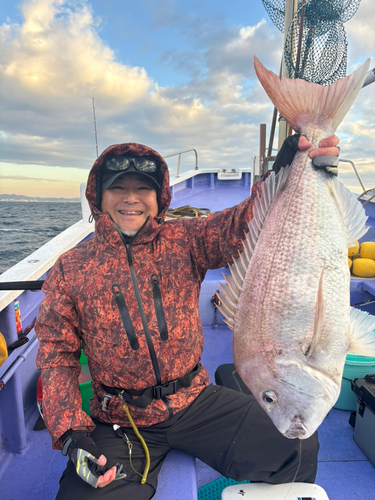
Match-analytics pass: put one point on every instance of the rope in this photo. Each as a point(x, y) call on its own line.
point(187, 211)
point(364, 193)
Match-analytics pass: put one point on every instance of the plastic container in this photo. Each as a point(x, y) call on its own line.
point(356, 366)
point(364, 430)
point(264, 491)
point(85, 384)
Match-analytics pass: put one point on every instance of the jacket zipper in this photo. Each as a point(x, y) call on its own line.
point(160, 316)
point(126, 320)
point(143, 316)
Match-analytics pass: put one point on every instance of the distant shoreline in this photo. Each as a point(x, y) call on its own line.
point(29, 199)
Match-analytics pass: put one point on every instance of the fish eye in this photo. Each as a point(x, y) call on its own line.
point(269, 397)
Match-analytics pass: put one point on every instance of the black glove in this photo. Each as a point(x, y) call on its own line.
point(286, 154)
point(84, 454)
point(289, 148)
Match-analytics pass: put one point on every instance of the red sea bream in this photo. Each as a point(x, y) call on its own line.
point(287, 300)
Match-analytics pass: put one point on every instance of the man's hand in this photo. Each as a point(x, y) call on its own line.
point(327, 147)
point(108, 476)
point(82, 451)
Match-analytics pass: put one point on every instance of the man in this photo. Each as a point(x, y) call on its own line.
point(130, 298)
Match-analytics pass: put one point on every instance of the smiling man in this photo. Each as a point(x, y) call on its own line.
point(130, 197)
point(130, 298)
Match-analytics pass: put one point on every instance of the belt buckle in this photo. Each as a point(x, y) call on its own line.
point(166, 389)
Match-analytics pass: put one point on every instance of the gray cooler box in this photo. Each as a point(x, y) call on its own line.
point(364, 430)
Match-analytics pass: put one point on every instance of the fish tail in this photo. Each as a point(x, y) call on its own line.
point(362, 335)
point(304, 103)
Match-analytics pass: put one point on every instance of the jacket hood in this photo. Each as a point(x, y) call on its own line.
point(94, 188)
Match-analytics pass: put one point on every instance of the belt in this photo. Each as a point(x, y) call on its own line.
point(145, 397)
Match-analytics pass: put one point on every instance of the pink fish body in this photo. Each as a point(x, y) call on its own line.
point(287, 300)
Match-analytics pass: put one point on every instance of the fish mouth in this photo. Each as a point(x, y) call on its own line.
point(298, 431)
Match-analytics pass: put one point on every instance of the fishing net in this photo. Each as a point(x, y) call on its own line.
point(316, 46)
point(276, 10)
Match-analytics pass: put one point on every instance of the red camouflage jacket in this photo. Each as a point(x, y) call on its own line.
point(81, 308)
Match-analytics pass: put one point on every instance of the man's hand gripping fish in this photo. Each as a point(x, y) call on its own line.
point(288, 298)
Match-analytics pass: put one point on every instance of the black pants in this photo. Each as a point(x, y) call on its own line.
point(226, 429)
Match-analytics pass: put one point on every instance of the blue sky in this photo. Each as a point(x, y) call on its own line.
point(172, 74)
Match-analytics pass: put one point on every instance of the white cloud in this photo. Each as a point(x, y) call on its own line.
point(361, 34)
point(57, 52)
point(53, 63)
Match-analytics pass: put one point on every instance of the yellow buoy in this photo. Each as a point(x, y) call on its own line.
point(365, 268)
point(3, 349)
point(353, 250)
point(367, 250)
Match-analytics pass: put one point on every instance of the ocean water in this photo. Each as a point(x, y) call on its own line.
point(25, 226)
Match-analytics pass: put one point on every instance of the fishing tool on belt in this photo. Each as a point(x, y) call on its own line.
point(122, 434)
point(143, 399)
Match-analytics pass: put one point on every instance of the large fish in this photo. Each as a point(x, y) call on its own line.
point(287, 299)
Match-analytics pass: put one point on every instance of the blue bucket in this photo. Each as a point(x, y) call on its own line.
point(356, 366)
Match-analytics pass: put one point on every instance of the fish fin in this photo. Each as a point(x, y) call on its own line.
point(302, 103)
point(352, 210)
point(232, 288)
point(362, 334)
point(319, 318)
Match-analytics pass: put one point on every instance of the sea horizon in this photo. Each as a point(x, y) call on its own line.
point(26, 225)
point(11, 198)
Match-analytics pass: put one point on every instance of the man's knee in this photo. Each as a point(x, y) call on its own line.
point(301, 462)
point(280, 460)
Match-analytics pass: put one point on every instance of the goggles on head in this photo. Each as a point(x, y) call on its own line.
point(122, 163)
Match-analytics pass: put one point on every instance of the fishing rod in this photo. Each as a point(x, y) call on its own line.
point(96, 134)
point(363, 303)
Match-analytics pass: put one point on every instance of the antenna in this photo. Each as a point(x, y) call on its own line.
point(96, 135)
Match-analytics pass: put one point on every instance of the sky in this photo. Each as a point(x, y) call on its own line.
point(171, 74)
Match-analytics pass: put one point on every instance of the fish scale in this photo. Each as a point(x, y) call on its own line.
point(287, 299)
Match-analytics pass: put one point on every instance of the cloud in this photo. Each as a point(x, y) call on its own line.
point(57, 51)
point(361, 34)
point(55, 61)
